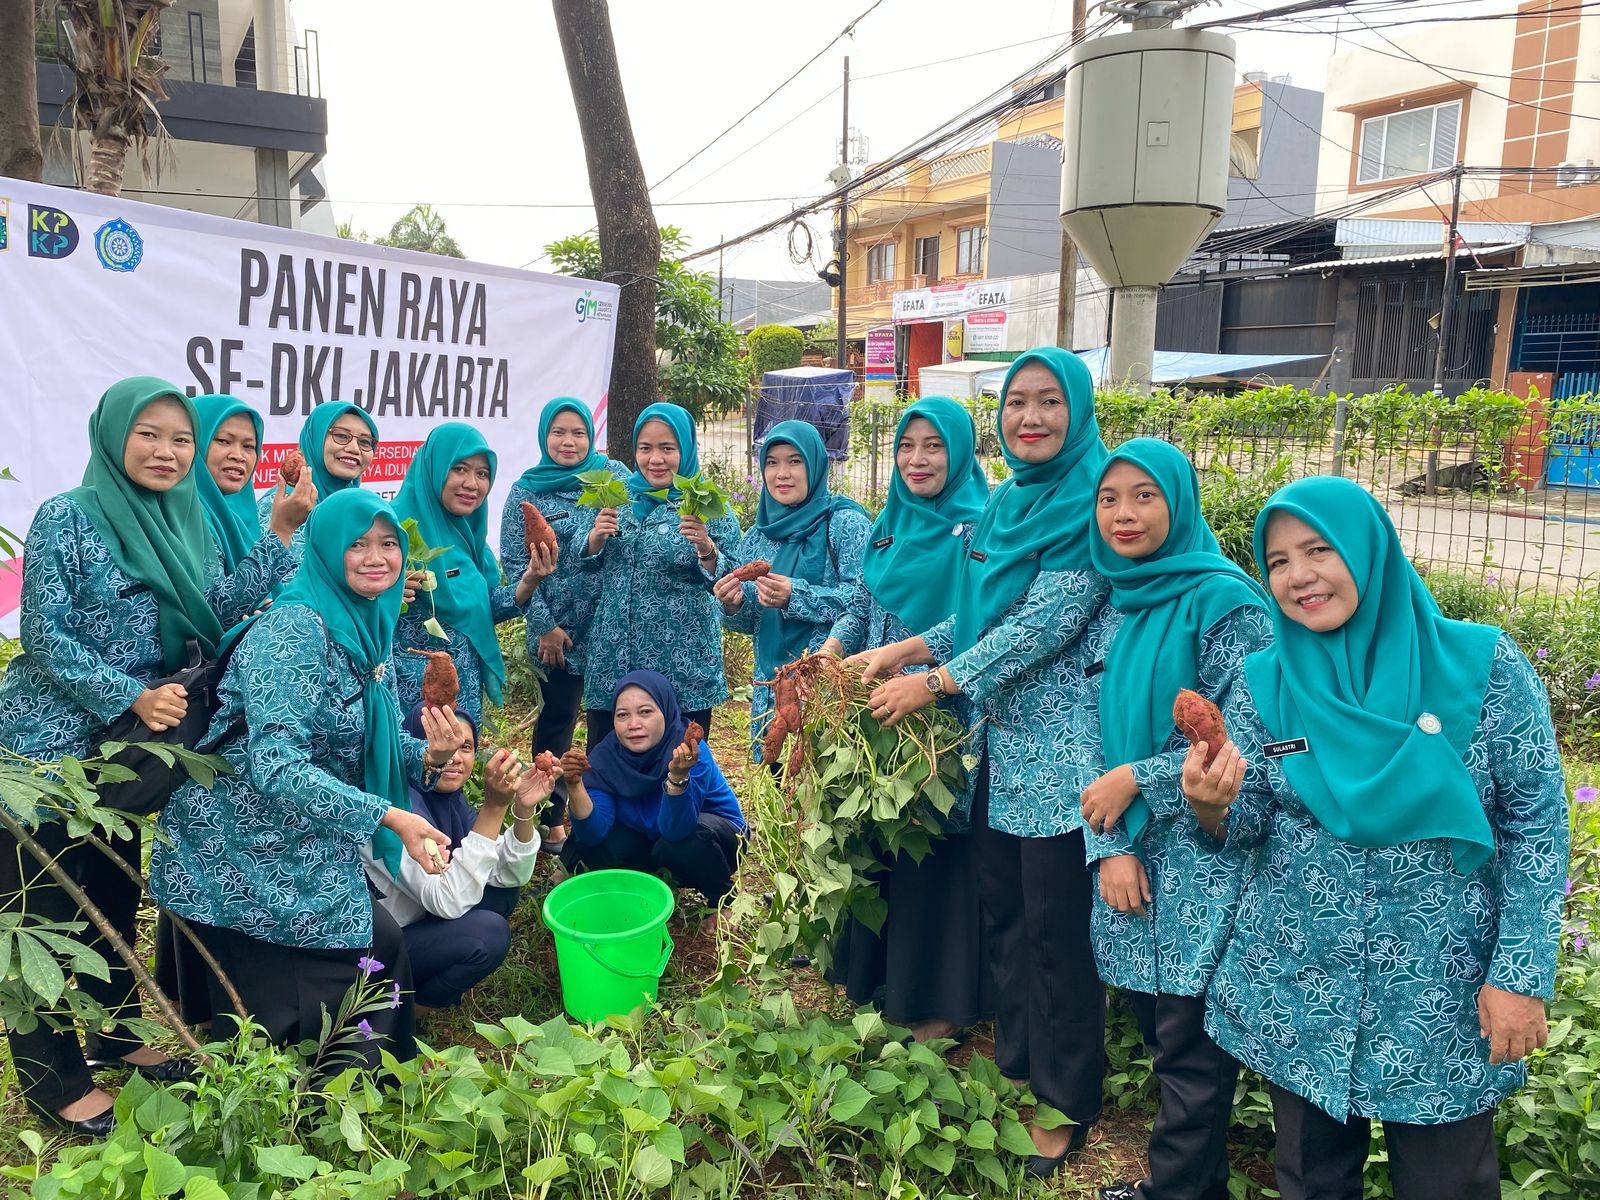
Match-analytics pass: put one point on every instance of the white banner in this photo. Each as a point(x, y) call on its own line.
point(949, 299)
point(94, 289)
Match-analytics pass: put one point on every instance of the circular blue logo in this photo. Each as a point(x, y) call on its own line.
point(119, 245)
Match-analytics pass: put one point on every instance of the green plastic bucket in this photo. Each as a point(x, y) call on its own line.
point(610, 930)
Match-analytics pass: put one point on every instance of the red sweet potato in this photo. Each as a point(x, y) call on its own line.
point(441, 685)
point(693, 736)
point(772, 741)
point(573, 764)
point(752, 571)
point(546, 762)
point(1199, 720)
point(292, 465)
point(536, 530)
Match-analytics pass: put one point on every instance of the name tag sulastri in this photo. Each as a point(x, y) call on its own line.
point(1281, 749)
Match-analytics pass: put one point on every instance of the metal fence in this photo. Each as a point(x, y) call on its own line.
point(1470, 496)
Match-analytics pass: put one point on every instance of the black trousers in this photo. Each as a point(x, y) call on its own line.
point(704, 861)
point(562, 696)
point(1035, 896)
point(599, 723)
point(1189, 1140)
point(50, 1064)
point(450, 956)
point(286, 988)
point(1319, 1158)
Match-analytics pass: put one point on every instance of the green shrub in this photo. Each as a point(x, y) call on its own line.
point(774, 348)
point(1231, 499)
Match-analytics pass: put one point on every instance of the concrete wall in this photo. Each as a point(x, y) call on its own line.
point(1024, 211)
point(185, 60)
point(1286, 183)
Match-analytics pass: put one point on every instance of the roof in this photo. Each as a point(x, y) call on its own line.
point(1178, 366)
point(1339, 264)
point(1544, 275)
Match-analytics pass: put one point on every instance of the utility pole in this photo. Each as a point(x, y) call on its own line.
point(844, 217)
point(1067, 289)
point(720, 317)
point(1430, 476)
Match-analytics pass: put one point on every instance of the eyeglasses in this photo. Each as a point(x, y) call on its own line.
point(364, 444)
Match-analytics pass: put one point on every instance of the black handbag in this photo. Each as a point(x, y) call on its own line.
point(155, 780)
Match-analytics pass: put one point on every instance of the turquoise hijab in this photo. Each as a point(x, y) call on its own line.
point(235, 523)
point(158, 538)
point(364, 628)
point(1359, 694)
point(681, 423)
point(916, 548)
point(1167, 600)
point(800, 532)
point(1038, 520)
point(314, 437)
point(550, 476)
point(468, 570)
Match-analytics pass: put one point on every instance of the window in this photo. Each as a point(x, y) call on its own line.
point(927, 259)
point(880, 262)
point(1412, 142)
point(969, 249)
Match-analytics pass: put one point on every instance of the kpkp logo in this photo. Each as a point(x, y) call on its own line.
point(5, 223)
point(51, 233)
point(118, 245)
point(589, 308)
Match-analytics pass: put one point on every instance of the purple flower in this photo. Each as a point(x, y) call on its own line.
point(1541, 652)
point(1592, 682)
point(1578, 943)
point(365, 1027)
point(369, 965)
point(1492, 580)
point(1569, 887)
point(394, 995)
point(1586, 795)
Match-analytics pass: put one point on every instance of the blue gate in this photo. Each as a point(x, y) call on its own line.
point(1574, 460)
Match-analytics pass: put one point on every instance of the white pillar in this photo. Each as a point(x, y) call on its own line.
point(1133, 339)
point(272, 24)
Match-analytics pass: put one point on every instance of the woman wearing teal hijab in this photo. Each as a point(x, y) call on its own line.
point(121, 580)
point(562, 607)
point(1166, 894)
point(230, 444)
point(1406, 802)
point(338, 441)
point(446, 491)
point(265, 864)
point(1031, 624)
point(814, 541)
point(656, 566)
point(925, 957)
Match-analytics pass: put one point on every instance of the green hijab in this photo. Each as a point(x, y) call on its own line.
point(1039, 519)
point(681, 423)
point(462, 600)
point(800, 532)
point(314, 440)
point(364, 628)
point(1373, 775)
point(1167, 600)
point(235, 523)
point(915, 548)
point(549, 475)
point(159, 538)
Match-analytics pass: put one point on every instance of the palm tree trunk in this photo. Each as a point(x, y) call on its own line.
point(108, 155)
point(20, 154)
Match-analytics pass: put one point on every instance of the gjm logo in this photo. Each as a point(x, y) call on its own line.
point(51, 233)
point(587, 307)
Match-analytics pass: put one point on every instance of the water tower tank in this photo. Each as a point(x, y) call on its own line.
point(1145, 177)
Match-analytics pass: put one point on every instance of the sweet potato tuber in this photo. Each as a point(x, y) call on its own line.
point(751, 571)
point(293, 463)
point(546, 762)
point(772, 741)
point(573, 764)
point(536, 530)
point(441, 685)
point(1199, 720)
point(693, 736)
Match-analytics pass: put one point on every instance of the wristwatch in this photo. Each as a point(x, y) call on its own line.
point(934, 681)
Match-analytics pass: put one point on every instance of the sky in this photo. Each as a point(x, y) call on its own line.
point(473, 113)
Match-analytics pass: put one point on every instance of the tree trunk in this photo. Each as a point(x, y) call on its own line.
point(108, 154)
point(20, 154)
point(630, 243)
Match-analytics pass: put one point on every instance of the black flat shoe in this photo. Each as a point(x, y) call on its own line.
point(172, 1070)
point(1043, 1166)
point(98, 1126)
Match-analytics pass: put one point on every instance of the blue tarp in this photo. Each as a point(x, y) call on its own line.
point(1179, 366)
point(819, 396)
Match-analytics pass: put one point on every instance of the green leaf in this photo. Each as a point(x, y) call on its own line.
point(201, 1188)
point(1014, 1137)
point(351, 1129)
point(849, 1098)
point(164, 1173)
point(669, 1140)
point(981, 1135)
point(40, 971)
point(547, 1169)
point(602, 489)
point(160, 1110)
point(287, 1161)
point(651, 1167)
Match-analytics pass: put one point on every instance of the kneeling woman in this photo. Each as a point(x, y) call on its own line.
point(266, 863)
point(643, 800)
point(457, 925)
point(1406, 794)
point(1167, 896)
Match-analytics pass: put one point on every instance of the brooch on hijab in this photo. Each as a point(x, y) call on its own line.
point(1429, 723)
point(377, 672)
